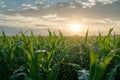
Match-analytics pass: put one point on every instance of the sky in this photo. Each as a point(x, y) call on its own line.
point(41, 15)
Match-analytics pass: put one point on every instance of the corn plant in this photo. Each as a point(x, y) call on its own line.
point(98, 66)
point(59, 57)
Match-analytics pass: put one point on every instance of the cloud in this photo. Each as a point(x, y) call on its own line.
point(87, 4)
point(2, 4)
point(53, 17)
point(102, 24)
point(26, 5)
point(69, 11)
point(15, 20)
point(111, 11)
point(105, 1)
point(72, 5)
point(91, 3)
point(62, 5)
point(41, 5)
point(31, 22)
point(100, 21)
point(29, 6)
point(11, 10)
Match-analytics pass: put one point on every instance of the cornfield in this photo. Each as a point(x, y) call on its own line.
point(59, 57)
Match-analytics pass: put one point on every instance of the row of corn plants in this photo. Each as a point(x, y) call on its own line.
point(59, 57)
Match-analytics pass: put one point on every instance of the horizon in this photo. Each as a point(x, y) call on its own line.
point(45, 32)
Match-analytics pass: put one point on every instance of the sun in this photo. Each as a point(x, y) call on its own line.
point(75, 27)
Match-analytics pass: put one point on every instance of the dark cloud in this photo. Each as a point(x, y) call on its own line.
point(104, 11)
